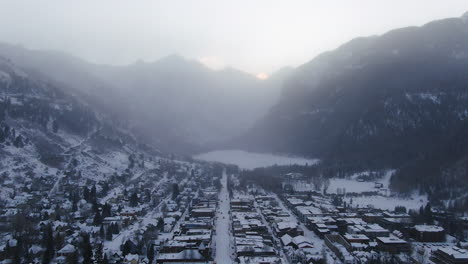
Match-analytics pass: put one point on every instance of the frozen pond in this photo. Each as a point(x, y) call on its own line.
point(251, 160)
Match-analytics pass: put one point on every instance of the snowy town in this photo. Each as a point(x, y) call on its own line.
point(196, 212)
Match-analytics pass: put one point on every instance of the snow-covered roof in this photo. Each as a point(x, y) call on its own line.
point(183, 255)
point(286, 239)
point(455, 252)
point(286, 225)
point(131, 257)
point(68, 249)
point(391, 240)
point(301, 240)
point(356, 236)
point(428, 228)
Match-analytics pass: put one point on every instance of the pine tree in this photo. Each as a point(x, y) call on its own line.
point(55, 126)
point(97, 219)
point(175, 191)
point(87, 249)
point(105, 260)
point(127, 248)
point(98, 253)
point(428, 213)
point(73, 258)
point(93, 193)
point(49, 244)
point(109, 233)
point(86, 194)
point(150, 253)
point(160, 224)
point(59, 241)
point(102, 234)
point(18, 142)
point(134, 200)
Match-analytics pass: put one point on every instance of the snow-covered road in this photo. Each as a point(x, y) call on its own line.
point(223, 252)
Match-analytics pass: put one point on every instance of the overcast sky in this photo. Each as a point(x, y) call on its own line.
point(252, 35)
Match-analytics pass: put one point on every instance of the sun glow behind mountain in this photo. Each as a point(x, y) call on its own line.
point(262, 76)
point(212, 62)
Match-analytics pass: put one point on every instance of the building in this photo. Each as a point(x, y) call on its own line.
point(392, 245)
point(66, 251)
point(429, 233)
point(453, 255)
point(185, 256)
point(371, 230)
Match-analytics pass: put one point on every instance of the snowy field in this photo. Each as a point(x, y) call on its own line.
point(349, 185)
point(352, 185)
point(251, 160)
point(386, 199)
point(388, 203)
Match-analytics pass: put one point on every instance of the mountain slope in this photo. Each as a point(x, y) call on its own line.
point(387, 101)
point(192, 101)
point(174, 103)
point(46, 133)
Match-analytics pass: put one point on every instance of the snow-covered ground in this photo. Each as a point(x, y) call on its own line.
point(223, 252)
point(386, 199)
point(251, 160)
point(352, 185)
point(388, 203)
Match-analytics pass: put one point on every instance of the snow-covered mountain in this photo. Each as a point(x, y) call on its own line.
point(173, 103)
point(393, 101)
point(45, 132)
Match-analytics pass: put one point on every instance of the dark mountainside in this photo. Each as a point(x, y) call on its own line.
point(175, 104)
point(44, 130)
point(399, 100)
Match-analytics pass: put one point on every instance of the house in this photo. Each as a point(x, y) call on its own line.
point(340, 247)
point(203, 212)
point(303, 212)
point(66, 251)
point(290, 228)
point(185, 256)
point(129, 212)
point(357, 242)
point(397, 223)
point(301, 242)
point(259, 260)
point(356, 238)
point(372, 218)
point(370, 230)
point(378, 185)
point(131, 259)
point(392, 245)
point(344, 223)
point(453, 255)
point(429, 233)
point(169, 223)
point(296, 242)
point(258, 249)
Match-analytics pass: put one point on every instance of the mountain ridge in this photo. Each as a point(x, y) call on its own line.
point(380, 102)
point(167, 102)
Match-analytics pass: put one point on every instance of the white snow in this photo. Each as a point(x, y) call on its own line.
point(353, 186)
point(428, 96)
point(223, 252)
point(251, 160)
point(387, 203)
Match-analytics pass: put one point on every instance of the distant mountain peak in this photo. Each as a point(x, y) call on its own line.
point(464, 17)
point(173, 57)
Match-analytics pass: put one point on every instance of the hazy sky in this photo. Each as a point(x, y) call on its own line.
point(252, 35)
